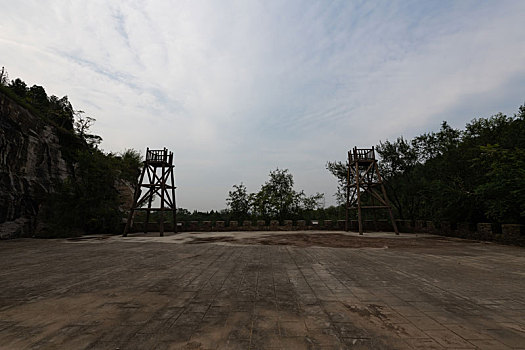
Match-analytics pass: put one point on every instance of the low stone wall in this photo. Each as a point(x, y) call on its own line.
point(504, 233)
point(484, 231)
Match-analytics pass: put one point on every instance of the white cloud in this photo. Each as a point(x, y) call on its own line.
point(238, 88)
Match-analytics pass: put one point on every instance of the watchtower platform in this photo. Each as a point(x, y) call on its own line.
point(362, 155)
point(159, 158)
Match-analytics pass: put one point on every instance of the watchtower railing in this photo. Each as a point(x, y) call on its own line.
point(358, 154)
point(159, 156)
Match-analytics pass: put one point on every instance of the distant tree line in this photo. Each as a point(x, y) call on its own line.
point(471, 175)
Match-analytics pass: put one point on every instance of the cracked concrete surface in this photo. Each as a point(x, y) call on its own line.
point(242, 291)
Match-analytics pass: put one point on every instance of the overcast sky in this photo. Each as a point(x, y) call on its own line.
point(239, 88)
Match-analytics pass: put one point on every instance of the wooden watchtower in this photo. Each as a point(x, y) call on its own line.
point(157, 179)
point(363, 177)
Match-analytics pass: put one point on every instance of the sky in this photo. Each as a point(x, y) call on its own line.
point(237, 89)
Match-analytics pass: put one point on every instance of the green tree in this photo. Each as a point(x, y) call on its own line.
point(82, 125)
point(238, 202)
point(61, 112)
point(313, 202)
point(37, 96)
point(434, 144)
point(129, 164)
point(398, 160)
point(502, 194)
point(18, 87)
point(277, 198)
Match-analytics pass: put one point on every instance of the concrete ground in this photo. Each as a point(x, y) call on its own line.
point(261, 290)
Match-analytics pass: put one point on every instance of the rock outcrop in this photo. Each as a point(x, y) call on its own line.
point(31, 164)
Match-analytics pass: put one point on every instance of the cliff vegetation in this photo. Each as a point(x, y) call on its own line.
point(54, 178)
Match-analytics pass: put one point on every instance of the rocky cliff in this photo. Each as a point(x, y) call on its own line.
point(31, 163)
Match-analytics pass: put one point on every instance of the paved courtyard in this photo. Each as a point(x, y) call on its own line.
point(260, 290)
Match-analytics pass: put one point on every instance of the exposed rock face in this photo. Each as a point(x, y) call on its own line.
point(125, 194)
point(31, 163)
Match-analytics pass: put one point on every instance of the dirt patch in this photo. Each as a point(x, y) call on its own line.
point(337, 240)
point(332, 240)
point(211, 240)
point(87, 238)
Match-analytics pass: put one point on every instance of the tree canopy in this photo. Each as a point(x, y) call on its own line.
point(277, 199)
point(475, 175)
